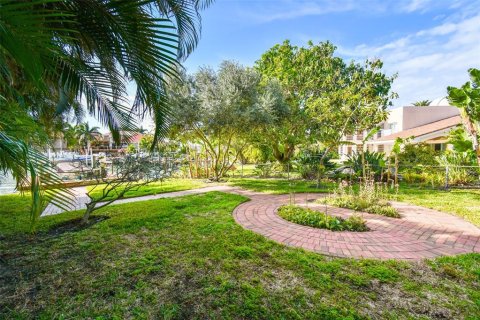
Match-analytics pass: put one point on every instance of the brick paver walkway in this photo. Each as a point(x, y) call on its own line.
point(419, 233)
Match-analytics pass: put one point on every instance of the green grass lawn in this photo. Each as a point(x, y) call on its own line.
point(187, 258)
point(464, 203)
point(280, 186)
point(169, 185)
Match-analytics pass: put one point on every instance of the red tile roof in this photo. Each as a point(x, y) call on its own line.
point(425, 129)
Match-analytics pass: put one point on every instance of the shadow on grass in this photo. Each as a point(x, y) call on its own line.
point(73, 225)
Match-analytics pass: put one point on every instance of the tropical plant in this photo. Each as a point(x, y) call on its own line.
point(365, 139)
point(131, 149)
point(467, 99)
point(310, 165)
point(460, 167)
point(86, 135)
point(57, 55)
point(397, 148)
point(422, 103)
point(367, 161)
point(459, 139)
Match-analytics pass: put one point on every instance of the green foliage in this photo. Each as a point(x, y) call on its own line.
point(370, 197)
point(146, 142)
point(374, 161)
point(417, 154)
point(131, 149)
point(320, 108)
point(218, 110)
point(29, 166)
point(316, 219)
point(459, 165)
point(312, 163)
point(467, 99)
point(422, 103)
point(459, 139)
point(57, 55)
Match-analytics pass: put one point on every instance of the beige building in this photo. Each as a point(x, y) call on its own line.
point(429, 124)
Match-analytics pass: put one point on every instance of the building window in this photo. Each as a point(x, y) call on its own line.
point(381, 148)
point(349, 150)
point(360, 136)
point(349, 137)
point(438, 147)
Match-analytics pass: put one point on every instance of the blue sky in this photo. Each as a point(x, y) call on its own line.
point(429, 43)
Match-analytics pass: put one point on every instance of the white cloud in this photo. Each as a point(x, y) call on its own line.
point(288, 9)
point(277, 10)
point(429, 60)
point(415, 5)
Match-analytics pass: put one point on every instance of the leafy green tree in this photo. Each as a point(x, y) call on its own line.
point(355, 98)
point(58, 55)
point(146, 142)
point(286, 70)
point(467, 99)
point(217, 110)
point(459, 139)
point(326, 98)
point(422, 103)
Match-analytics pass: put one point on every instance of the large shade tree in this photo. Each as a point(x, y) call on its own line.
point(467, 99)
point(218, 110)
point(326, 98)
point(57, 56)
point(354, 98)
point(289, 123)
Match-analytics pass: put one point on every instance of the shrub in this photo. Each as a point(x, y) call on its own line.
point(369, 198)
point(459, 164)
point(417, 154)
point(264, 170)
point(375, 161)
point(316, 219)
point(309, 166)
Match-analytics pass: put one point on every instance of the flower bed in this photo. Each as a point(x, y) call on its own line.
point(371, 198)
point(316, 219)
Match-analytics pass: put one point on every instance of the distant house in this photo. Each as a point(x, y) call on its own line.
point(429, 124)
point(105, 142)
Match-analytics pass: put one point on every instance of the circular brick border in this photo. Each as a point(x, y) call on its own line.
point(419, 233)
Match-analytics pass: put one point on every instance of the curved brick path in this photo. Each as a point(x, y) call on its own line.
point(419, 233)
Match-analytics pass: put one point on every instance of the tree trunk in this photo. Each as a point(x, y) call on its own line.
point(396, 170)
point(87, 213)
point(363, 164)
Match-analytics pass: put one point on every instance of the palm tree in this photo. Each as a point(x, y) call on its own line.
point(467, 100)
point(85, 135)
point(422, 103)
point(56, 54)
